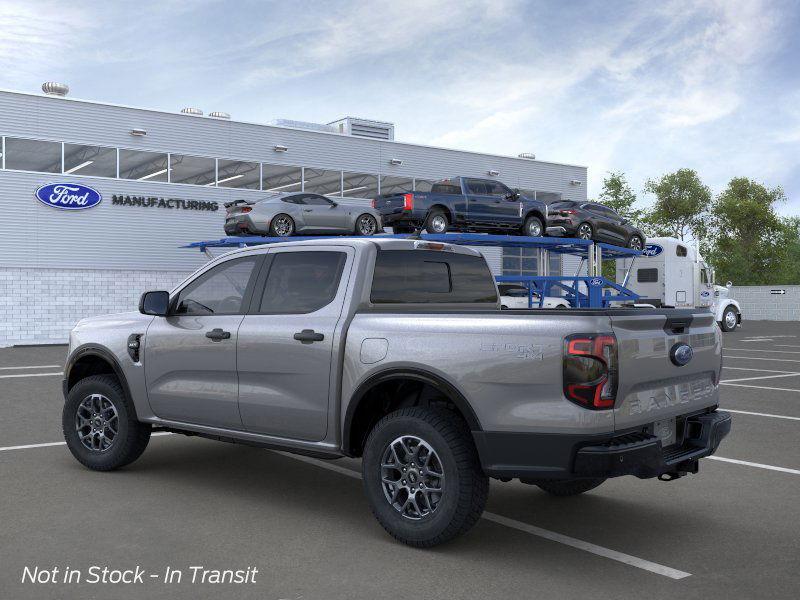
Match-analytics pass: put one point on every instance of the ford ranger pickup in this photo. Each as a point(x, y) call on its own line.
point(397, 351)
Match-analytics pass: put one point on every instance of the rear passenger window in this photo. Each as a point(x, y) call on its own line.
point(647, 275)
point(430, 276)
point(301, 282)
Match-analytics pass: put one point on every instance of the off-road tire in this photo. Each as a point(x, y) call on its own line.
point(132, 436)
point(465, 487)
point(569, 487)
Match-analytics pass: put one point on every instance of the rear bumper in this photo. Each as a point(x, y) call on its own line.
point(567, 456)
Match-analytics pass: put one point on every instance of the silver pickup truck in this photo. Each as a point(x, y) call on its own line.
point(397, 351)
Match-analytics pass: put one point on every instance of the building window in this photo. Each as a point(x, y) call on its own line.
point(520, 261)
point(237, 174)
point(321, 181)
point(280, 178)
point(33, 155)
point(194, 170)
point(360, 185)
point(396, 185)
point(144, 166)
point(96, 161)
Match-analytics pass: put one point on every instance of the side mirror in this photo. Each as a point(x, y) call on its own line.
point(154, 303)
point(334, 204)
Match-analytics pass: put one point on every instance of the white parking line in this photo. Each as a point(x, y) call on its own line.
point(49, 444)
point(755, 414)
point(31, 367)
point(627, 559)
point(760, 377)
point(752, 464)
point(752, 369)
point(726, 357)
point(755, 350)
point(760, 387)
point(30, 375)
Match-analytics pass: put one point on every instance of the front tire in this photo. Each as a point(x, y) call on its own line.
point(422, 476)
point(533, 227)
point(569, 487)
point(366, 225)
point(100, 425)
point(730, 320)
point(437, 222)
point(635, 243)
point(281, 226)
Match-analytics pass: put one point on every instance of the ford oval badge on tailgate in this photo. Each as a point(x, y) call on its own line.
point(681, 354)
point(68, 196)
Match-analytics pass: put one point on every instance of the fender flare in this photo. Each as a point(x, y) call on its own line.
point(415, 374)
point(104, 354)
point(724, 306)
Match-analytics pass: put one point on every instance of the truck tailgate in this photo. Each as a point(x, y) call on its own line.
point(653, 388)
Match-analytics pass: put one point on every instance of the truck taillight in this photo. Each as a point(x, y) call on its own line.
point(373, 202)
point(591, 370)
point(566, 213)
point(408, 201)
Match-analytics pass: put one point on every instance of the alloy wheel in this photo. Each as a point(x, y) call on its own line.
point(534, 228)
point(412, 477)
point(730, 319)
point(439, 224)
point(635, 243)
point(585, 232)
point(97, 422)
point(366, 225)
point(282, 226)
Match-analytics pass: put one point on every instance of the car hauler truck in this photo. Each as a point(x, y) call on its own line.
point(671, 273)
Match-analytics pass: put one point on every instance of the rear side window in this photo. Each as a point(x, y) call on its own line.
point(301, 282)
point(647, 275)
point(446, 186)
point(478, 187)
point(431, 277)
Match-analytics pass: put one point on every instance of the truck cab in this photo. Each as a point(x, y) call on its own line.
point(671, 273)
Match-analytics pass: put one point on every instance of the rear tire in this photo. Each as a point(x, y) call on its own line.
point(437, 221)
point(635, 243)
point(730, 320)
point(281, 226)
point(366, 225)
point(445, 439)
point(533, 227)
point(569, 487)
point(584, 232)
point(97, 408)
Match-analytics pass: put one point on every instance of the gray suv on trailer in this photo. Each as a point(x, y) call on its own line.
point(397, 351)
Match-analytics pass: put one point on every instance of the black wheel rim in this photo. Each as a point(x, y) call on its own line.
point(412, 477)
point(282, 226)
point(97, 423)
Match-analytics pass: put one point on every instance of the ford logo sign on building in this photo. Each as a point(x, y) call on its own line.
point(68, 196)
point(652, 250)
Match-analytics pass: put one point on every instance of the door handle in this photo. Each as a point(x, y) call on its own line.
point(308, 210)
point(217, 335)
point(308, 335)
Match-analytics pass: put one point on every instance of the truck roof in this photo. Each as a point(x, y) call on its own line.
point(355, 242)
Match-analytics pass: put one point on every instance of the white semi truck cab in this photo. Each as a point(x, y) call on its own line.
point(672, 273)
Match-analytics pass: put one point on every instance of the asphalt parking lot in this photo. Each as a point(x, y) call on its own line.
point(733, 531)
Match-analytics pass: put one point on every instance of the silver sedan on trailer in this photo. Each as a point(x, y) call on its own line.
point(301, 213)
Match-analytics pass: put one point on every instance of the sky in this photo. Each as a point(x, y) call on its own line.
point(639, 87)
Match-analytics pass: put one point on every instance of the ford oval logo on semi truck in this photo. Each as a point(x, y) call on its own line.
point(652, 250)
point(68, 196)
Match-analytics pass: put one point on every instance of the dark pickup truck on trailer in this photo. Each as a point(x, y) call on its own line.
point(464, 204)
point(397, 351)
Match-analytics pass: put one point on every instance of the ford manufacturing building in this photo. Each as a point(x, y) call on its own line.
point(162, 179)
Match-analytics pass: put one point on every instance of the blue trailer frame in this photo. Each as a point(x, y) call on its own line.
point(599, 291)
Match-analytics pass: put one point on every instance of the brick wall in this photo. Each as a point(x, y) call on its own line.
point(759, 304)
point(40, 306)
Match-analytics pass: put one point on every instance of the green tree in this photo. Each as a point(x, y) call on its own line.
point(618, 195)
point(749, 243)
point(681, 205)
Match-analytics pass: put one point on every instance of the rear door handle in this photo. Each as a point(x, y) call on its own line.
point(308, 335)
point(308, 210)
point(217, 335)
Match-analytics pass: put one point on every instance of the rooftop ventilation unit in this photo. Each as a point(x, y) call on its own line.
point(51, 88)
point(192, 111)
point(376, 130)
point(219, 115)
point(303, 125)
point(527, 155)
